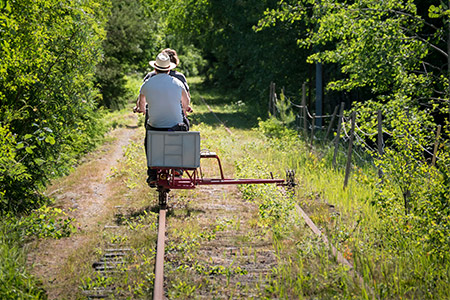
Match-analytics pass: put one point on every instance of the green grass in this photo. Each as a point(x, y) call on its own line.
point(226, 104)
point(400, 270)
point(17, 282)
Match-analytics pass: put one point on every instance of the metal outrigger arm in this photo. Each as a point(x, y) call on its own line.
point(176, 157)
point(189, 178)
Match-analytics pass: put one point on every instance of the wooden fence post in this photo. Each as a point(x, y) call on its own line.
point(305, 121)
point(312, 129)
point(350, 149)
point(274, 100)
point(406, 196)
point(332, 121)
point(436, 144)
point(380, 139)
point(270, 97)
point(338, 133)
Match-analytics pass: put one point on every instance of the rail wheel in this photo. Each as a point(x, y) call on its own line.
point(163, 196)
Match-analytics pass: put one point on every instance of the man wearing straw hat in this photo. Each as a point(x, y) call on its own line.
point(167, 101)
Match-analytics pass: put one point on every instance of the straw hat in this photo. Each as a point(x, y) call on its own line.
point(162, 62)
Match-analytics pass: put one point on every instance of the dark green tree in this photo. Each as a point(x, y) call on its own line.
point(134, 36)
point(239, 58)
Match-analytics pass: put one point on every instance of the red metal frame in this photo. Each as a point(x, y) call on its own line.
point(167, 178)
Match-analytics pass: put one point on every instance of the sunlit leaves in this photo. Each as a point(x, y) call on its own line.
point(438, 11)
point(49, 50)
point(373, 42)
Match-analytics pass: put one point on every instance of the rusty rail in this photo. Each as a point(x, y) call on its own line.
point(158, 290)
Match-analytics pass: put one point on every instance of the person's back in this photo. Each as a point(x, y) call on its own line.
point(167, 102)
point(173, 73)
point(163, 94)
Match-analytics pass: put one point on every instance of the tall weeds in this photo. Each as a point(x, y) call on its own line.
point(394, 256)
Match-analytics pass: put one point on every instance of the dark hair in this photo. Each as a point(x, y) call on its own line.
point(157, 71)
point(173, 55)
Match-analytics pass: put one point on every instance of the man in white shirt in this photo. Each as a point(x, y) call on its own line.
point(167, 100)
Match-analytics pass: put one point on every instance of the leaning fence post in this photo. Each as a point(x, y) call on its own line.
point(331, 122)
point(350, 149)
point(436, 144)
point(270, 97)
point(380, 139)
point(312, 128)
point(275, 100)
point(338, 133)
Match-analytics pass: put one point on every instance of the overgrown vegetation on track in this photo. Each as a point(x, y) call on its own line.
point(391, 255)
point(298, 264)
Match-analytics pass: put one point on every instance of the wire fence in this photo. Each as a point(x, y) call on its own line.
point(353, 135)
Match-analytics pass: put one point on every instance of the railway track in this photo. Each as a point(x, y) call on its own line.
point(227, 260)
point(158, 289)
point(112, 262)
point(221, 256)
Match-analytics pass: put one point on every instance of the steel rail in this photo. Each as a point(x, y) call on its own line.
point(158, 290)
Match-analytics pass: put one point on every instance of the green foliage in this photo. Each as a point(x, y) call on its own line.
point(99, 281)
point(438, 11)
point(273, 207)
point(412, 196)
point(9, 166)
point(237, 57)
point(381, 46)
point(405, 255)
point(277, 126)
point(369, 40)
point(136, 32)
point(47, 114)
point(274, 128)
point(47, 222)
point(284, 110)
point(192, 62)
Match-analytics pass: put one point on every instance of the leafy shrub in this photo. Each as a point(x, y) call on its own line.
point(48, 111)
point(412, 196)
point(274, 209)
point(47, 222)
point(274, 128)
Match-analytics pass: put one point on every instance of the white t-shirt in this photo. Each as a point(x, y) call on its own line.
point(163, 95)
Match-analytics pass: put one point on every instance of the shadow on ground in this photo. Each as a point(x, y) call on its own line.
point(245, 118)
point(240, 120)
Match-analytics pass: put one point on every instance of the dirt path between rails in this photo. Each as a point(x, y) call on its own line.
point(83, 195)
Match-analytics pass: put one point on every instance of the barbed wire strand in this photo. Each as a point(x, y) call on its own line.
point(423, 147)
point(359, 139)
